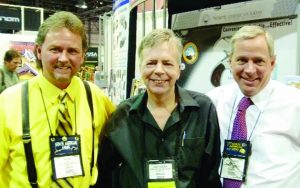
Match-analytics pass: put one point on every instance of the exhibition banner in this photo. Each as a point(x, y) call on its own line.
point(118, 73)
point(10, 18)
point(206, 37)
point(233, 13)
point(205, 62)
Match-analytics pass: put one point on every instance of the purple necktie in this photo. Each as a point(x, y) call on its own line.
point(239, 132)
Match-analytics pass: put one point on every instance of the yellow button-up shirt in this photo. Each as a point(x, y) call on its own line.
point(43, 102)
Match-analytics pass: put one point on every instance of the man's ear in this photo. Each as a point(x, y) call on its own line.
point(273, 61)
point(38, 52)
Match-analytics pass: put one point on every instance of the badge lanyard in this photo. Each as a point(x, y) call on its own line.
point(65, 152)
point(256, 121)
point(48, 116)
point(162, 173)
point(236, 152)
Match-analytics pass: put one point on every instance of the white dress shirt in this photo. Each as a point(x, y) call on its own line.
point(273, 126)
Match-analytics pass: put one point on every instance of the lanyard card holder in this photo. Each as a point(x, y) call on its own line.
point(66, 156)
point(161, 173)
point(235, 159)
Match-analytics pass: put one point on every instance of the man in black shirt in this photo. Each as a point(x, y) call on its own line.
point(166, 136)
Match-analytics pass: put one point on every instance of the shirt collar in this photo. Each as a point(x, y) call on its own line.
point(184, 100)
point(6, 70)
point(51, 92)
point(73, 88)
point(263, 97)
point(259, 100)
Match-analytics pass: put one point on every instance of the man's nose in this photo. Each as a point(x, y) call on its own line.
point(250, 67)
point(159, 68)
point(63, 56)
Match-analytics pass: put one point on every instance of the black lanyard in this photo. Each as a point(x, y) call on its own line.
point(51, 132)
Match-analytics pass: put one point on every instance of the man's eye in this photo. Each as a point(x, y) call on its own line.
point(151, 63)
point(241, 61)
point(54, 50)
point(259, 62)
point(168, 64)
point(74, 52)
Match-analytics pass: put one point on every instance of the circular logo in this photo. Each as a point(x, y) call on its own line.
point(190, 53)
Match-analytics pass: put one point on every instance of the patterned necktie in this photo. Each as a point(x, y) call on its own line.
point(239, 132)
point(64, 128)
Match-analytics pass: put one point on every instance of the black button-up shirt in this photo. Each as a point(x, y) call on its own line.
point(190, 136)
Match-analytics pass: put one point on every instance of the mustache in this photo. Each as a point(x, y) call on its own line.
point(62, 64)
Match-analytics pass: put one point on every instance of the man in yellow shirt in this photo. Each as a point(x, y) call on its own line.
point(60, 47)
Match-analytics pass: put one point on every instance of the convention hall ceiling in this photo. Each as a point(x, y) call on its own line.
point(93, 10)
point(99, 7)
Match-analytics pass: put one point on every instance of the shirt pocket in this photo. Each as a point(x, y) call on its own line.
point(189, 155)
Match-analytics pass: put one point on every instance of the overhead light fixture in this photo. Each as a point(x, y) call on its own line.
point(81, 4)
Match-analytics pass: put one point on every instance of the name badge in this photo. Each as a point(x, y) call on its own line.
point(235, 159)
point(66, 156)
point(161, 173)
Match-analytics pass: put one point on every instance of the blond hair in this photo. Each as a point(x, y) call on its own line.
point(250, 32)
point(59, 20)
point(159, 36)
